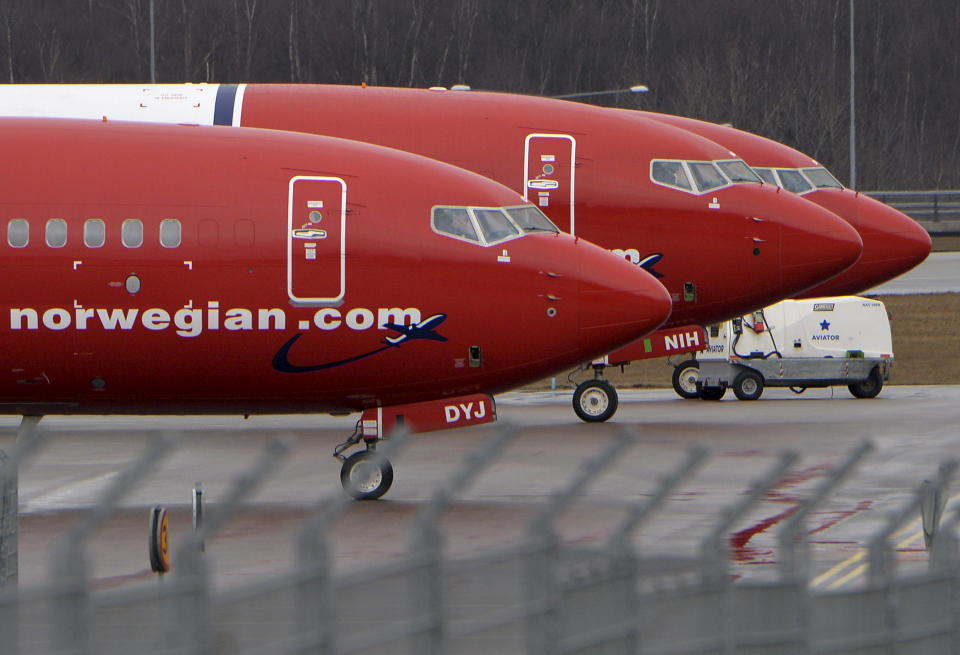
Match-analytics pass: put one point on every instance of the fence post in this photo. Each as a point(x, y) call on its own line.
point(194, 634)
point(794, 546)
point(639, 512)
point(619, 542)
point(427, 541)
point(714, 550)
point(27, 442)
point(881, 559)
point(543, 598)
point(9, 522)
point(315, 606)
point(945, 561)
point(68, 566)
point(794, 550)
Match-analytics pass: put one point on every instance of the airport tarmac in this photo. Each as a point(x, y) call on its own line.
point(913, 429)
point(938, 273)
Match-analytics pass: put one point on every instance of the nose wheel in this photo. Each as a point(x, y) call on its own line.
point(366, 474)
point(595, 401)
point(685, 378)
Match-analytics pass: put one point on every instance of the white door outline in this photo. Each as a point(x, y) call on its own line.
point(573, 162)
point(308, 300)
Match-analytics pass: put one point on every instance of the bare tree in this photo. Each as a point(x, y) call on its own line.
point(776, 68)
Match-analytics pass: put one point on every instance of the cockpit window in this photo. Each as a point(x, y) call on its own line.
point(531, 219)
point(670, 173)
point(738, 171)
point(766, 175)
point(495, 225)
point(821, 178)
point(488, 225)
point(794, 181)
point(700, 176)
point(454, 221)
point(706, 175)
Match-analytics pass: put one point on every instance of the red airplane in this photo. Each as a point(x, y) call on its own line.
point(662, 197)
point(163, 269)
point(893, 243)
point(655, 194)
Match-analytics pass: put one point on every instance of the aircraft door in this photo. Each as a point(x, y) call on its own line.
point(316, 240)
point(548, 176)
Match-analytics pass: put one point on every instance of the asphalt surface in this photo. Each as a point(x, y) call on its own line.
point(913, 430)
point(938, 273)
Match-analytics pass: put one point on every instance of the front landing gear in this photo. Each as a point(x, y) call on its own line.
point(594, 401)
point(365, 475)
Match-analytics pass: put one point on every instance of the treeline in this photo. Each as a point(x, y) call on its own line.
point(776, 67)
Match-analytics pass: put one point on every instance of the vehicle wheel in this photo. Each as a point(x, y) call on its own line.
point(685, 376)
point(595, 401)
point(712, 393)
point(366, 475)
point(868, 387)
point(748, 385)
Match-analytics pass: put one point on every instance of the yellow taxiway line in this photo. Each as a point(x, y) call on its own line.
point(855, 566)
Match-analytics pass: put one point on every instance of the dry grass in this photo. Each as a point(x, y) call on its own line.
point(946, 244)
point(926, 344)
point(926, 337)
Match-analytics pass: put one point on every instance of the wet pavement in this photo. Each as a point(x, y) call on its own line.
point(913, 429)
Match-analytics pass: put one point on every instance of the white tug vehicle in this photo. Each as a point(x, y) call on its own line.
point(818, 342)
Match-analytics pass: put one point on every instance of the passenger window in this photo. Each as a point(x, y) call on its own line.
point(18, 233)
point(793, 181)
point(531, 219)
point(454, 221)
point(738, 171)
point(94, 233)
point(495, 225)
point(766, 175)
point(670, 173)
point(131, 233)
point(822, 178)
point(707, 175)
point(170, 233)
point(56, 233)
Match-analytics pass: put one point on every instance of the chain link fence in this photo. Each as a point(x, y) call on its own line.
point(537, 596)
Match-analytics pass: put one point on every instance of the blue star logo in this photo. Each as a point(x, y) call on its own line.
point(824, 324)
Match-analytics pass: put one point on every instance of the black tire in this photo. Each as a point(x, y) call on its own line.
point(366, 475)
point(748, 385)
point(712, 393)
point(868, 387)
point(685, 376)
point(595, 401)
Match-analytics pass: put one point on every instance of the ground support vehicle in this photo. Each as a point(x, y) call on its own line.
point(819, 342)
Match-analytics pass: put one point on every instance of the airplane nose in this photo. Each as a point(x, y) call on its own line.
point(893, 243)
point(619, 302)
point(816, 244)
